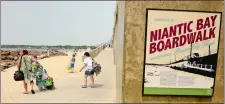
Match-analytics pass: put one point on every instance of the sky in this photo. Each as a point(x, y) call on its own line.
point(56, 22)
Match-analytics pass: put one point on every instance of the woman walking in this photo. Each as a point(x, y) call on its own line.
point(26, 68)
point(88, 70)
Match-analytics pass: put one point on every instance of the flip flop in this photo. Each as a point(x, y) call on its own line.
point(32, 91)
point(25, 93)
point(84, 86)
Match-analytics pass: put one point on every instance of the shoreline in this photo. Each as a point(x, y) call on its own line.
point(9, 57)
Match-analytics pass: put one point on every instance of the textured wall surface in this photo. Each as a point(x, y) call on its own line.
point(118, 46)
point(135, 14)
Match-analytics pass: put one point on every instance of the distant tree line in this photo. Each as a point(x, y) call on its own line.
point(48, 47)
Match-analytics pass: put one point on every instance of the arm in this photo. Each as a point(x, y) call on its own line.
point(46, 73)
point(33, 59)
point(71, 60)
point(83, 67)
point(85, 64)
point(18, 63)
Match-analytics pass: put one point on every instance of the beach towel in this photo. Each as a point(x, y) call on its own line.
point(44, 75)
point(40, 75)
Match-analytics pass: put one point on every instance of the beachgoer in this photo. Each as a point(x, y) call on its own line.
point(72, 62)
point(103, 46)
point(42, 76)
point(26, 68)
point(48, 52)
point(38, 70)
point(89, 70)
point(18, 57)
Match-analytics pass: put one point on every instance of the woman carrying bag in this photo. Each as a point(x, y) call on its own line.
point(24, 65)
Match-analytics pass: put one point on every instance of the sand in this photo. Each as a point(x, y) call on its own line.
point(68, 84)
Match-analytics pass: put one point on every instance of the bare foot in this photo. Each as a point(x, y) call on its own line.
point(71, 72)
point(92, 86)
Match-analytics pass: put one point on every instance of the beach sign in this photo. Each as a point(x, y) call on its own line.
point(181, 52)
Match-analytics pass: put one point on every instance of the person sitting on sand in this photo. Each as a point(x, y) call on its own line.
point(26, 67)
point(72, 62)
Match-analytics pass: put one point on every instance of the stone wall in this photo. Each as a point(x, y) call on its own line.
point(118, 47)
point(95, 51)
point(133, 50)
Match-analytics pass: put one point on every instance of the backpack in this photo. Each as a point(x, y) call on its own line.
point(96, 67)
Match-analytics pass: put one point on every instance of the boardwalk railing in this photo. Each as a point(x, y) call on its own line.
point(204, 67)
point(96, 51)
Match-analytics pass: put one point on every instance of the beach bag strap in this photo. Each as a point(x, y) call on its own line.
point(18, 75)
point(21, 57)
point(25, 63)
point(92, 61)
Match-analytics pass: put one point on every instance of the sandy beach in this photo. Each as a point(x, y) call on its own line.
point(66, 83)
point(9, 57)
point(56, 67)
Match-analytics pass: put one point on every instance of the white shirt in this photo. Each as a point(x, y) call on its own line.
point(88, 61)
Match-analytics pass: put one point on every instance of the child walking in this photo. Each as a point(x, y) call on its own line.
point(89, 72)
point(72, 62)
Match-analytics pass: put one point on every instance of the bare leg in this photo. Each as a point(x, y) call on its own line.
point(92, 80)
point(72, 70)
point(85, 82)
point(32, 86)
point(25, 87)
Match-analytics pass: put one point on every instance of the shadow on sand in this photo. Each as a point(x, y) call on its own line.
point(39, 91)
point(97, 85)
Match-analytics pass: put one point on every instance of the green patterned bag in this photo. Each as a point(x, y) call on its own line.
point(48, 82)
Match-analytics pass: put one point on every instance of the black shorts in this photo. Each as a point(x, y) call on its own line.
point(87, 73)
